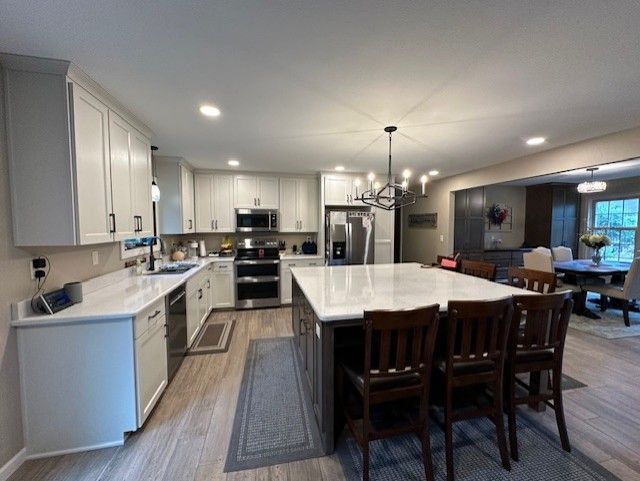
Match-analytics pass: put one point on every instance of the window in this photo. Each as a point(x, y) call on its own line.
point(618, 218)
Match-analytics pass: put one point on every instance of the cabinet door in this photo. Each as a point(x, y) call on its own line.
point(203, 302)
point(142, 178)
point(204, 202)
point(289, 203)
point(187, 198)
point(286, 281)
point(151, 369)
point(337, 190)
point(223, 293)
point(268, 197)
point(223, 203)
point(121, 176)
point(193, 320)
point(93, 174)
point(307, 204)
point(245, 192)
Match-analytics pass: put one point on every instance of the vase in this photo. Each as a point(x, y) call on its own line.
point(596, 257)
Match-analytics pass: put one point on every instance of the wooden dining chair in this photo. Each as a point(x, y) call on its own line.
point(477, 334)
point(536, 347)
point(486, 270)
point(398, 358)
point(532, 280)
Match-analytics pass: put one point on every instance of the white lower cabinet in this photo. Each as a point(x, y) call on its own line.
point(193, 316)
point(223, 285)
point(151, 368)
point(286, 278)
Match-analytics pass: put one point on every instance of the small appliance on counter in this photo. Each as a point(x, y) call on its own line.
point(309, 247)
point(192, 249)
point(54, 301)
point(74, 291)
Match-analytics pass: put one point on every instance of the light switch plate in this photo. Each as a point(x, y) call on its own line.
point(95, 258)
point(441, 238)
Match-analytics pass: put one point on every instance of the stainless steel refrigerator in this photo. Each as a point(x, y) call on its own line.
point(349, 237)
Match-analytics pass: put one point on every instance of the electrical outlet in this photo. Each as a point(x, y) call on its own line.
point(95, 258)
point(441, 238)
point(37, 264)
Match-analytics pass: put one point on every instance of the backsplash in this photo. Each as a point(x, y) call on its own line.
point(213, 241)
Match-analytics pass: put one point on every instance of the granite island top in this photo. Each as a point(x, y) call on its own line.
point(345, 292)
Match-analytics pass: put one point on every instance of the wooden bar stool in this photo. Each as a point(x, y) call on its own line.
point(538, 345)
point(477, 335)
point(398, 355)
point(485, 270)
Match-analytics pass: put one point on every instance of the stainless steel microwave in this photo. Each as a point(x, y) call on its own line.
point(256, 220)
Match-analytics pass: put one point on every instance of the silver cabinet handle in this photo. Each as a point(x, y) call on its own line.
point(223, 266)
point(213, 224)
point(216, 224)
point(258, 200)
point(255, 201)
point(155, 314)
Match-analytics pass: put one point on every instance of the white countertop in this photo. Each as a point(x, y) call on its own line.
point(345, 292)
point(122, 299)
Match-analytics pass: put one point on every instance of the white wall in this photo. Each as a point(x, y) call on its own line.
point(422, 245)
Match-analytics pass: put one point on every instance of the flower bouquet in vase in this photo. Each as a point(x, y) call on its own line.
point(597, 242)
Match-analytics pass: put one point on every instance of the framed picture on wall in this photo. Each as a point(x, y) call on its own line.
point(423, 221)
point(499, 218)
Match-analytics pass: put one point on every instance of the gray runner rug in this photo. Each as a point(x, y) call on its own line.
point(475, 456)
point(274, 421)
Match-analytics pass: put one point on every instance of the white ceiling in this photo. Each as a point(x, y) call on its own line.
point(306, 85)
point(617, 170)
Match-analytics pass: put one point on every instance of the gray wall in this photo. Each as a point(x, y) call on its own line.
point(514, 197)
point(68, 263)
point(422, 245)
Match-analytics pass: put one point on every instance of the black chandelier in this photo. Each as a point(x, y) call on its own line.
point(392, 195)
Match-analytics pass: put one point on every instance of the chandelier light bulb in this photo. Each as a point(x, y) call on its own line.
point(406, 173)
point(423, 179)
point(371, 176)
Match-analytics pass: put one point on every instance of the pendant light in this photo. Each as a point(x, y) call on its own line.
point(592, 186)
point(155, 190)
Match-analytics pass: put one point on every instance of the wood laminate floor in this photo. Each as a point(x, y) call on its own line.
point(187, 436)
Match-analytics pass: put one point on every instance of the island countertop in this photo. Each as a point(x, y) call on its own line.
point(345, 292)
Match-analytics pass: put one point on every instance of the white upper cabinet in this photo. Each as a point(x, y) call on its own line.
point(252, 192)
point(214, 203)
point(121, 177)
point(187, 196)
point(93, 174)
point(298, 205)
point(225, 220)
point(71, 156)
point(337, 190)
point(142, 178)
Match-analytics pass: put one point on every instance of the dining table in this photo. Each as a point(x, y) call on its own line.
point(583, 272)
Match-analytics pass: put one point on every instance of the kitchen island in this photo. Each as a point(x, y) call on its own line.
point(328, 307)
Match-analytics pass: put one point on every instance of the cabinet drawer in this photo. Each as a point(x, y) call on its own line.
point(223, 267)
point(301, 263)
point(148, 318)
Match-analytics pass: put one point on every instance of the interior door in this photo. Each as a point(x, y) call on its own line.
point(142, 178)
point(93, 174)
point(223, 203)
point(122, 186)
point(289, 203)
point(204, 202)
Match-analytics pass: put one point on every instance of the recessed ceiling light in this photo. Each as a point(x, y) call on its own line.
point(536, 141)
point(339, 168)
point(434, 172)
point(233, 163)
point(209, 110)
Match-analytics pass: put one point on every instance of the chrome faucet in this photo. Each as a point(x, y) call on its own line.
point(152, 259)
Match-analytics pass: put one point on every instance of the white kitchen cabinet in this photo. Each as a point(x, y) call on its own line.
point(252, 192)
point(214, 203)
point(93, 172)
point(187, 198)
point(384, 236)
point(71, 169)
point(193, 319)
point(176, 209)
point(343, 189)
point(223, 285)
point(298, 205)
point(151, 368)
point(142, 178)
point(286, 278)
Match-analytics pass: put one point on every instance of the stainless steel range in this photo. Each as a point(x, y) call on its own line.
point(257, 273)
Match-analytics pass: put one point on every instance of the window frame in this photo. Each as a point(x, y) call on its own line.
point(610, 198)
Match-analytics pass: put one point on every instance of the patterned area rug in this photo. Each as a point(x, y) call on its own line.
point(214, 337)
point(475, 456)
point(274, 421)
point(611, 326)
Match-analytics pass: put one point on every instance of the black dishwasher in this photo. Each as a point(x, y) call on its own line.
point(176, 329)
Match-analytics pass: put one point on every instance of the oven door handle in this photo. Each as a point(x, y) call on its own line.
point(260, 261)
point(256, 279)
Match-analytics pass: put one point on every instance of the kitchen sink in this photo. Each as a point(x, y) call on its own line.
point(173, 268)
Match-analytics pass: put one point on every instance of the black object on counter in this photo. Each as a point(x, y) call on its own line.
point(309, 247)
